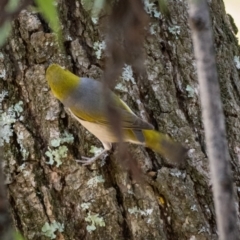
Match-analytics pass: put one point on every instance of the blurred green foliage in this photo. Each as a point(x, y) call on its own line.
point(5, 30)
point(48, 9)
point(17, 236)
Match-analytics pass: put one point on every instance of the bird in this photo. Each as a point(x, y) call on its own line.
point(84, 99)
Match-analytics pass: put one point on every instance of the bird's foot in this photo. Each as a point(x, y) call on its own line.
point(87, 161)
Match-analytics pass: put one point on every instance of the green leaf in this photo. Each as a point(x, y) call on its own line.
point(97, 7)
point(48, 8)
point(12, 5)
point(5, 30)
point(164, 9)
point(87, 4)
point(17, 236)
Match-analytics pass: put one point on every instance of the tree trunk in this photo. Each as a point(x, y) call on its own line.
point(102, 201)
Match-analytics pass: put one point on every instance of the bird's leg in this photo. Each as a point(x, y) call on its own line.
point(88, 161)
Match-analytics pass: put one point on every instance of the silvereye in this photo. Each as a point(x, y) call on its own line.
point(85, 101)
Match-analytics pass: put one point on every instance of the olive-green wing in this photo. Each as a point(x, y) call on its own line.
point(129, 119)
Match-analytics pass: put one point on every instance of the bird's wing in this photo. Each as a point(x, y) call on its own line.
point(88, 104)
point(129, 119)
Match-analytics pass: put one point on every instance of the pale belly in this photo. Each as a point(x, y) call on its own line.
point(104, 133)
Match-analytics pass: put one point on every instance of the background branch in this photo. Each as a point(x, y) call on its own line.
point(213, 119)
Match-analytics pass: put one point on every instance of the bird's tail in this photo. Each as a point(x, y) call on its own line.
point(164, 145)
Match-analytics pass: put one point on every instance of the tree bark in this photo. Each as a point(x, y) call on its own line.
point(174, 203)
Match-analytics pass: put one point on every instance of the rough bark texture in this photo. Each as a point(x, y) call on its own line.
point(175, 203)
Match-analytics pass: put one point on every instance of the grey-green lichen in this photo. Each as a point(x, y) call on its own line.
point(237, 61)
point(49, 230)
point(175, 30)
point(94, 221)
point(7, 118)
point(57, 151)
point(190, 91)
point(127, 74)
point(85, 206)
point(135, 210)
point(93, 182)
point(151, 9)
point(99, 47)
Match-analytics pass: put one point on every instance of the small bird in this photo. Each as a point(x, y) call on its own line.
point(84, 99)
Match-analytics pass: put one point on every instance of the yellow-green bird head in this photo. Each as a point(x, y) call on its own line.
point(61, 81)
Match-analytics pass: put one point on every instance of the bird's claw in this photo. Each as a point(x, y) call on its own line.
point(86, 161)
